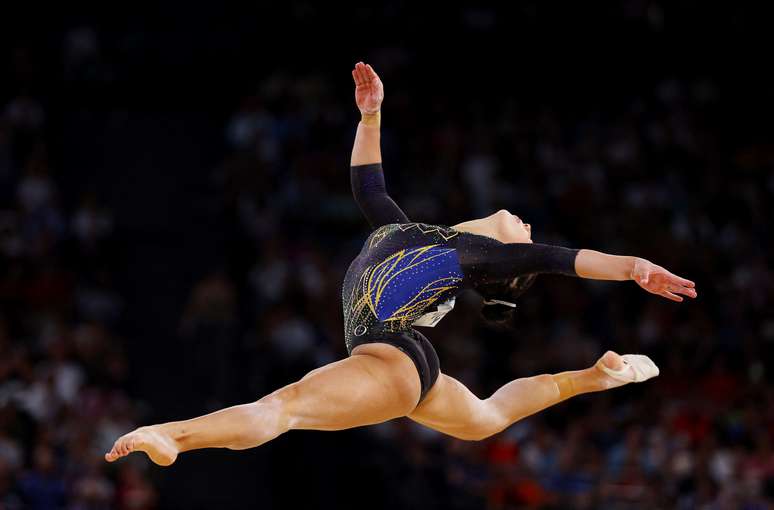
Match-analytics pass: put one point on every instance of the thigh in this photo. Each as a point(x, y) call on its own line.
point(417, 347)
point(376, 383)
point(450, 407)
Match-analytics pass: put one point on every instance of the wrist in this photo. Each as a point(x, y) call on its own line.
point(632, 266)
point(371, 119)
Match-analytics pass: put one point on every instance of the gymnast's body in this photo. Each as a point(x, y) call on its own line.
point(407, 276)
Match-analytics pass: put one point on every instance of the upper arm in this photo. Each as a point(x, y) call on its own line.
point(370, 193)
point(486, 260)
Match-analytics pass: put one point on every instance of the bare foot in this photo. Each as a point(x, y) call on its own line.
point(158, 446)
point(617, 370)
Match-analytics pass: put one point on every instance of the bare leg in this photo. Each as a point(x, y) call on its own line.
point(453, 409)
point(377, 383)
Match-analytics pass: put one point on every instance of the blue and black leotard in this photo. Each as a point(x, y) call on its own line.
point(407, 273)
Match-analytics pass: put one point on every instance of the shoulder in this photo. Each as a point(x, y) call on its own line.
point(414, 234)
point(431, 230)
point(477, 241)
point(421, 229)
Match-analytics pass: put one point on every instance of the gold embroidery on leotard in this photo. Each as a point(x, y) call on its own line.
point(385, 230)
point(363, 301)
point(416, 307)
point(429, 229)
point(379, 235)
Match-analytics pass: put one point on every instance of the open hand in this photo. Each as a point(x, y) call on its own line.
point(369, 91)
point(657, 280)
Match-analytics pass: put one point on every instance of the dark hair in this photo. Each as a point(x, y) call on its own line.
point(505, 291)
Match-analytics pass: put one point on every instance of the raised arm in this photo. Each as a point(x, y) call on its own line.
point(366, 173)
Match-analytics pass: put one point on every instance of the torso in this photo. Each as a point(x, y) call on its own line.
point(403, 271)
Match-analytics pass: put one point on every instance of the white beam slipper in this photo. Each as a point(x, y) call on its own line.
point(637, 368)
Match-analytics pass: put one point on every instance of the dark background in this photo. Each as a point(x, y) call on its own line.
point(175, 223)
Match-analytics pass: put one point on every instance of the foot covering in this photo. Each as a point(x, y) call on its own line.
point(637, 368)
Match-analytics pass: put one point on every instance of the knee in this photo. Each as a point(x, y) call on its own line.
point(479, 433)
point(487, 422)
point(263, 419)
point(278, 405)
point(255, 423)
point(477, 436)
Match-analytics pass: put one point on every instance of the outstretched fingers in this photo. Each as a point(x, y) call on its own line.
point(359, 74)
point(669, 295)
point(362, 74)
point(657, 280)
point(682, 286)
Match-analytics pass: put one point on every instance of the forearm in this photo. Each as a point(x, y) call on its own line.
point(368, 186)
point(367, 147)
point(601, 266)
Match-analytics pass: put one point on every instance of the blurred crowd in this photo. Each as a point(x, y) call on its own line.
point(63, 371)
point(657, 173)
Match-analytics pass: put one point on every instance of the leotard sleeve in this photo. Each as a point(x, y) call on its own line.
point(484, 260)
point(371, 196)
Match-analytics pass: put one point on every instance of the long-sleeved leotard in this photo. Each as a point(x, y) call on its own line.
point(405, 269)
point(370, 193)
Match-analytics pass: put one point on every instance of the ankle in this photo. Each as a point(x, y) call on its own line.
point(272, 412)
point(565, 382)
point(612, 360)
point(578, 382)
point(175, 432)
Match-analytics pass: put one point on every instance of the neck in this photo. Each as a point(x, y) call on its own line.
point(476, 227)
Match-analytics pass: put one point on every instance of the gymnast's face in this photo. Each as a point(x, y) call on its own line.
point(502, 225)
point(509, 227)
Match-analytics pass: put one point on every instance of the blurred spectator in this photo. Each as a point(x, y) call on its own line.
point(43, 487)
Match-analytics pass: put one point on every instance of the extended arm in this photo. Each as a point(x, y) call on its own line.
point(485, 260)
point(651, 277)
point(596, 265)
point(366, 174)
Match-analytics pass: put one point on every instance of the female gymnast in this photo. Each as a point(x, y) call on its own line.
point(407, 275)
